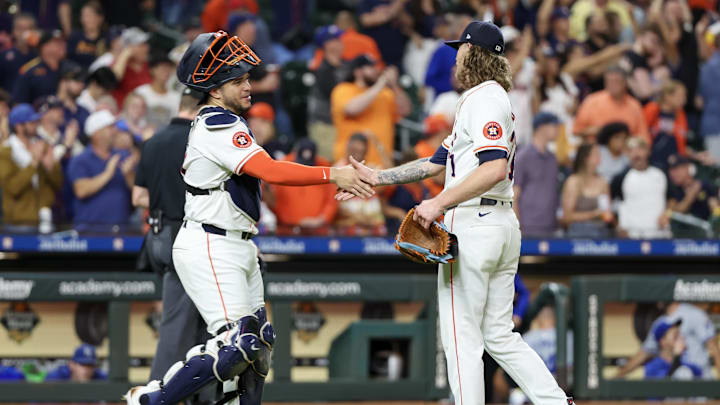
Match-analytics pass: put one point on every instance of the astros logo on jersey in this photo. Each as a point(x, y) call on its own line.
point(242, 140)
point(492, 130)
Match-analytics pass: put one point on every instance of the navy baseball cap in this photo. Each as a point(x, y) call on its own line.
point(544, 118)
point(48, 36)
point(663, 325)
point(677, 160)
point(324, 34)
point(46, 103)
point(483, 34)
point(560, 12)
point(305, 152)
point(361, 61)
point(22, 113)
point(237, 20)
point(85, 355)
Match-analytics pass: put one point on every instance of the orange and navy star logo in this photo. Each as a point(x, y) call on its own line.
point(492, 131)
point(242, 140)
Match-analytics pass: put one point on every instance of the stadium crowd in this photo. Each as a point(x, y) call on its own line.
point(616, 105)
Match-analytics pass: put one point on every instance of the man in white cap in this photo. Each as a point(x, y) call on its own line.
point(101, 177)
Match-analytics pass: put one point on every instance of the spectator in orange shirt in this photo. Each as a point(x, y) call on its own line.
point(614, 103)
point(437, 128)
point(359, 216)
point(666, 118)
point(261, 118)
point(215, 15)
point(354, 43)
point(368, 101)
point(309, 207)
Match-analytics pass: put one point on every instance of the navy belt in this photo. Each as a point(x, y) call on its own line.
point(225, 328)
point(196, 191)
point(222, 232)
point(490, 201)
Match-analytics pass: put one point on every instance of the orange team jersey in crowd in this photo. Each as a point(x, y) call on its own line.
point(379, 118)
point(680, 125)
point(293, 204)
point(354, 45)
point(600, 108)
point(216, 13)
point(424, 150)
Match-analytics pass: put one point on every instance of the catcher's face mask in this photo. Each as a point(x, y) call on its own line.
point(224, 52)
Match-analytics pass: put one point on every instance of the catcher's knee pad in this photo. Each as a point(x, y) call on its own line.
point(267, 333)
point(243, 350)
point(267, 336)
point(220, 358)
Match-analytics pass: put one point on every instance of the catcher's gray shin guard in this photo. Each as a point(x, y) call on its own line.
point(222, 358)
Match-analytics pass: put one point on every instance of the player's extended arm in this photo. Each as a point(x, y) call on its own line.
point(478, 182)
point(265, 168)
point(635, 361)
point(410, 172)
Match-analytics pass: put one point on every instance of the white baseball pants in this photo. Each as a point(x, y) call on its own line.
point(475, 297)
point(221, 274)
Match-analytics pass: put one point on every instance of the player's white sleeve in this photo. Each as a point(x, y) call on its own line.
point(447, 142)
point(487, 122)
point(233, 147)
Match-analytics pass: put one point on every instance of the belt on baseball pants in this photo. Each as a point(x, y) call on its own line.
point(222, 232)
point(198, 191)
point(225, 328)
point(490, 201)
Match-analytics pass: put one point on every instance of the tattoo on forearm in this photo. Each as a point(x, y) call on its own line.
point(407, 173)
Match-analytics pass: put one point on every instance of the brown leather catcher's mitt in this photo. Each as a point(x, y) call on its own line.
point(436, 245)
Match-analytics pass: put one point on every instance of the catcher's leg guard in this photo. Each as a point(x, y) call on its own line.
point(247, 388)
point(220, 358)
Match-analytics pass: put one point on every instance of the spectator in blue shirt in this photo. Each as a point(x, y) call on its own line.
point(521, 301)
point(40, 76)
point(442, 61)
point(72, 84)
point(385, 21)
point(50, 14)
point(101, 177)
point(82, 367)
point(87, 44)
point(10, 373)
point(687, 194)
point(669, 362)
point(21, 53)
point(710, 93)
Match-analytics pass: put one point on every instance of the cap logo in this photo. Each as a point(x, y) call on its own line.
point(242, 140)
point(467, 36)
point(498, 48)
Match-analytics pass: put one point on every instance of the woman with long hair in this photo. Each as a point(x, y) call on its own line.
point(586, 197)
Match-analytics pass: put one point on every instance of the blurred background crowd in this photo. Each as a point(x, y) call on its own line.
point(616, 104)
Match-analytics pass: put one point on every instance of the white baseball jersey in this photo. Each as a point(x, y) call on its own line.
point(219, 144)
point(475, 294)
point(483, 122)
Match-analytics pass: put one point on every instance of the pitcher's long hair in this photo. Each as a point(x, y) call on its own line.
point(481, 65)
